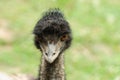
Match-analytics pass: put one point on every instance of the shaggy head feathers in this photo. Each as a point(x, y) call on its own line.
point(52, 22)
point(53, 13)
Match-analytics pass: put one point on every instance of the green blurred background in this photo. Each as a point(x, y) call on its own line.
point(95, 50)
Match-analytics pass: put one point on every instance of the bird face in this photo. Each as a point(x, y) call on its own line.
point(52, 45)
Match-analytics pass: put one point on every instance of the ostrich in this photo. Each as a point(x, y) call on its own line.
point(52, 36)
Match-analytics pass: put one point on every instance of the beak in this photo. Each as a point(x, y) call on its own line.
point(51, 53)
point(50, 59)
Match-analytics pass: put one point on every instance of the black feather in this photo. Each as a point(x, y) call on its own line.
point(52, 22)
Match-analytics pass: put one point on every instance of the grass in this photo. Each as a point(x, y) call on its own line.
point(94, 54)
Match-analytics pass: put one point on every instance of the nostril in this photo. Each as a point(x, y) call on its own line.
point(46, 54)
point(53, 54)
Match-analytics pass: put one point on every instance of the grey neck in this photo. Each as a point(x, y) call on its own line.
point(53, 71)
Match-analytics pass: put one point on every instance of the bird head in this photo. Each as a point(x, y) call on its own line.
point(52, 36)
point(52, 43)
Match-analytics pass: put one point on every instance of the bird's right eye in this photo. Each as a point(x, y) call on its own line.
point(37, 38)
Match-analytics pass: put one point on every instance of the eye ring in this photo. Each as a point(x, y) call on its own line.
point(64, 37)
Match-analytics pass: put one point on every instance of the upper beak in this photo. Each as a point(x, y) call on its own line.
point(50, 57)
point(51, 53)
point(50, 60)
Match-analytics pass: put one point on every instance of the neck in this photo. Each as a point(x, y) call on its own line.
point(53, 71)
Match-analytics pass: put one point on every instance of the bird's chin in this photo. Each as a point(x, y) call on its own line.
point(50, 60)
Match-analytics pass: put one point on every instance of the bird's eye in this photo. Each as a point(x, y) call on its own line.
point(37, 38)
point(64, 37)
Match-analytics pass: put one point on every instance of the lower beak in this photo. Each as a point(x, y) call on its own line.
point(49, 59)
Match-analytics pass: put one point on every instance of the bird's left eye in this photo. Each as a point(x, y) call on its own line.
point(64, 37)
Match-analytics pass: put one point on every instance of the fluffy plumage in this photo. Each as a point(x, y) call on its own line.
point(52, 22)
point(52, 36)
